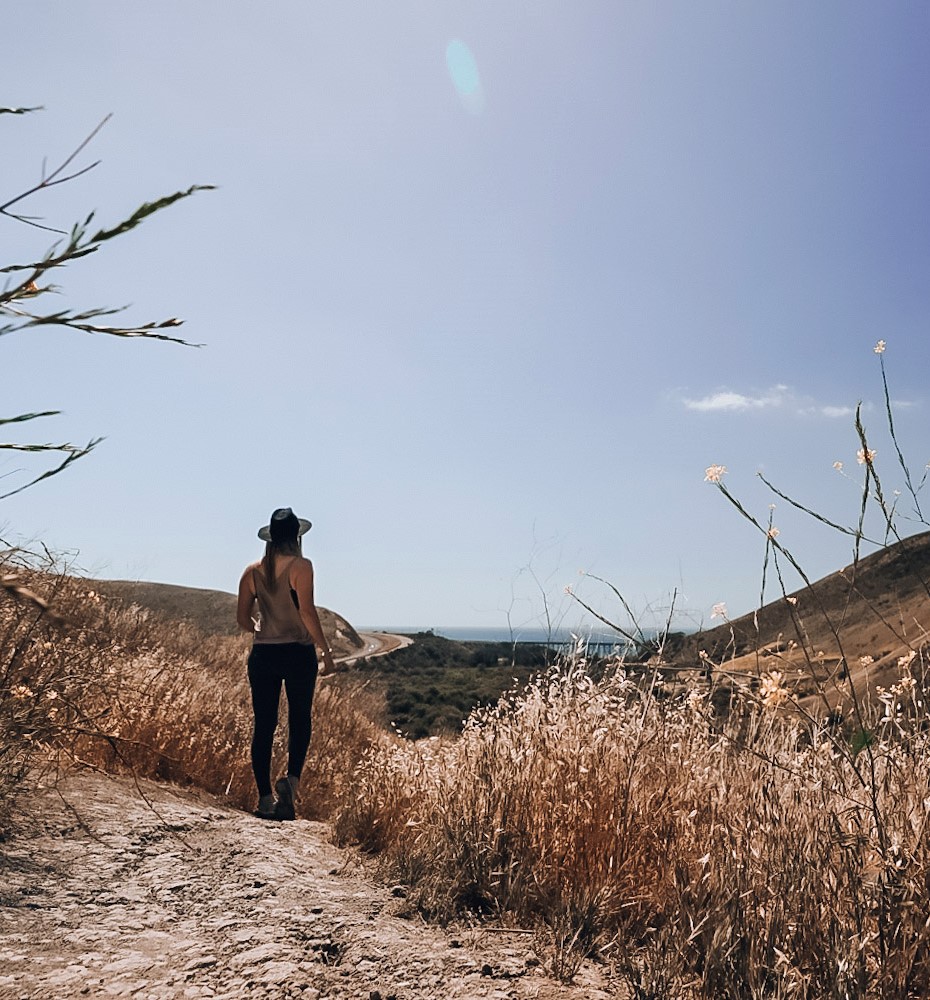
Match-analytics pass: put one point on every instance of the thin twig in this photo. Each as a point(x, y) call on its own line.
point(50, 180)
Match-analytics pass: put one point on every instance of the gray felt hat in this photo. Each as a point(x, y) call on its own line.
point(284, 524)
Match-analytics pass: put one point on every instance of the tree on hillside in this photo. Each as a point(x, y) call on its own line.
point(23, 297)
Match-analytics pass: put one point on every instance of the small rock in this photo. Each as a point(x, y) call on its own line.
point(277, 972)
point(263, 953)
point(200, 963)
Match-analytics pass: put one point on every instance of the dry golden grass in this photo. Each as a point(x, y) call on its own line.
point(745, 853)
point(113, 686)
point(754, 857)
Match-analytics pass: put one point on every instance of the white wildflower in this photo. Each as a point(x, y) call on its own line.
point(771, 690)
point(864, 457)
point(879, 348)
point(719, 610)
point(714, 473)
point(695, 701)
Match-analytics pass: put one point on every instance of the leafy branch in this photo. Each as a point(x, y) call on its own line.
point(17, 298)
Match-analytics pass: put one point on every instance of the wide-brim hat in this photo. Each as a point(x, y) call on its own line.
point(282, 525)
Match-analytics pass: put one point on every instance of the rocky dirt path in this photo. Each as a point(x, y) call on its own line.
point(105, 894)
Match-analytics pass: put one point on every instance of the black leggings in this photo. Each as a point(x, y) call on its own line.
point(269, 664)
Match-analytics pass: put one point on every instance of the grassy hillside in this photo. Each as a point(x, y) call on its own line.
point(214, 611)
point(814, 638)
point(427, 688)
point(431, 686)
point(860, 619)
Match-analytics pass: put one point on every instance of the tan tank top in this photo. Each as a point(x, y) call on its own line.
point(280, 617)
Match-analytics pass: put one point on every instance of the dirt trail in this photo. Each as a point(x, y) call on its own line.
point(105, 895)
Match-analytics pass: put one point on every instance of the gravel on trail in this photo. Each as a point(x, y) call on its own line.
point(112, 889)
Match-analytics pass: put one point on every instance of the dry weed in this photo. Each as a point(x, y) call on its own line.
point(113, 686)
point(767, 858)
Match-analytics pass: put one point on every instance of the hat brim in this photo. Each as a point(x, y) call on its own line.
point(265, 533)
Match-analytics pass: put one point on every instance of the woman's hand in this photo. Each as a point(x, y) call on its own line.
point(329, 665)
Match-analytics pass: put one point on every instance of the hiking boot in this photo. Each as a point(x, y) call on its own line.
point(284, 807)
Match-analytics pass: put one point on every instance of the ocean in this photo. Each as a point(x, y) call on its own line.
point(465, 633)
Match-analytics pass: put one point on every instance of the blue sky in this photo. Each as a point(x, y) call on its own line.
point(483, 290)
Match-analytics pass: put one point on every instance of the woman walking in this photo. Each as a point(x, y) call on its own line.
point(286, 636)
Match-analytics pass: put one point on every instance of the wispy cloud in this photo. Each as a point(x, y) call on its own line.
point(778, 397)
point(725, 399)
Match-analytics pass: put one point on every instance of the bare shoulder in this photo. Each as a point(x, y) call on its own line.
point(302, 567)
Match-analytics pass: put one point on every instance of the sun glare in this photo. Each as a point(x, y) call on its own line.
point(463, 71)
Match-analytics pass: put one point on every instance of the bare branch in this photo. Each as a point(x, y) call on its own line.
point(894, 437)
point(27, 220)
point(72, 456)
point(50, 180)
point(11, 586)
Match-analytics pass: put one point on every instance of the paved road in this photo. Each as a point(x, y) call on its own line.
point(377, 644)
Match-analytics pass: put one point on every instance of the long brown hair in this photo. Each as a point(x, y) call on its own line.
point(284, 547)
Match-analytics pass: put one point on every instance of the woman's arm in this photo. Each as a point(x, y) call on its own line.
point(246, 601)
point(302, 582)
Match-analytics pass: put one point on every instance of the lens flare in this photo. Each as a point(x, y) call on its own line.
point(463, 71)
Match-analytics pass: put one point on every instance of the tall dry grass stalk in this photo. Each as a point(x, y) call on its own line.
point(112, 686)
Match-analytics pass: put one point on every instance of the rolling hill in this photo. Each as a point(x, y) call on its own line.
point(214, 611)
point(878, 608)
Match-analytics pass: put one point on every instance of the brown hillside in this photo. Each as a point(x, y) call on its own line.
point(879, 608)
point(214, 611)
